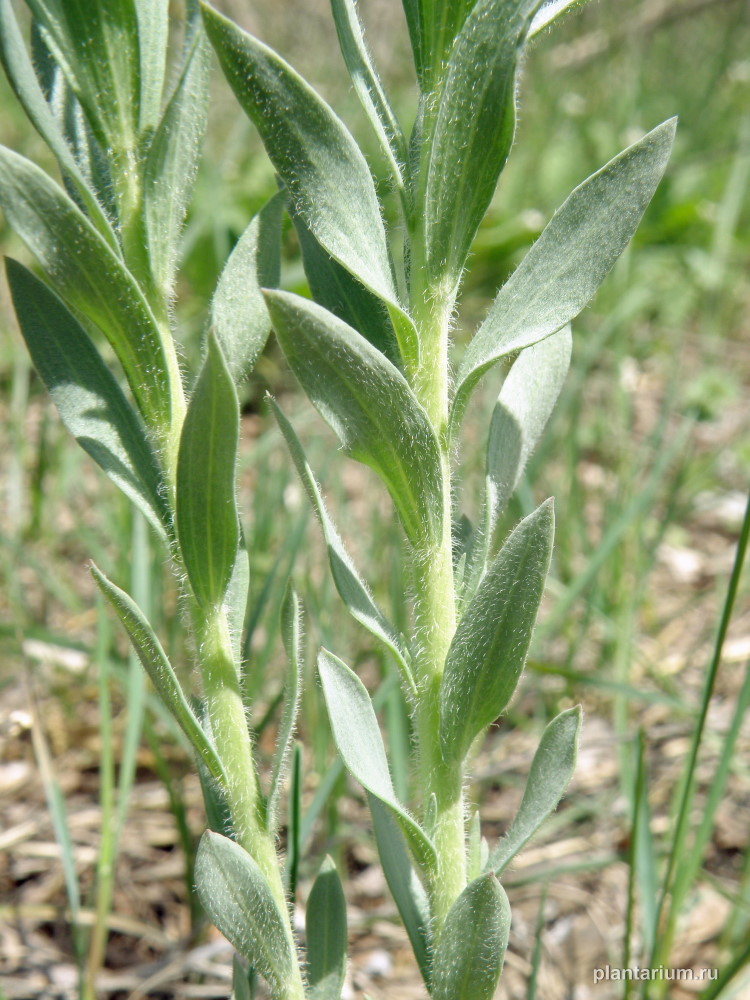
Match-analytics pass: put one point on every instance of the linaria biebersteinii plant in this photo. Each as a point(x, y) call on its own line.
point(372, 354)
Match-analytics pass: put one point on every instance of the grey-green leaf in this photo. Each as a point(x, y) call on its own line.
point(320, 163)
point(549, 12)
point(489, 649)
point(551, 769)
point(326, 935)
point(91, 403)
point(349, 583)
point(172, 163)
point(236, 897)
point(96, 42)
point(371, 93)
point(566, 265)
point(471, 947)
point(239, 316)
point(23, 79)
point(159, 669)
point(370, 406)
point(153, 35)
point(291, 632)
point(408, 892)
point(337, 290)
point(472, 132)
point(357, 735)
point(521, 413)
point(87, 274)
point(207, 522)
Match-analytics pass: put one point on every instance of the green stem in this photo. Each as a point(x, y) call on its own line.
point(435, 615)
point(226, 710)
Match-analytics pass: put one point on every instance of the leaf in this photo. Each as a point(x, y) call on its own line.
point(325, 931)
point(369, 405)
point(337, 290)
point(172, 163)
point(472, 132)
point(352, 589)
point(154, 661)
point(235, 600)
point(371, 93)
point(153, 35)
point(320, 163)
point(291, 631)
point(549, 12)
point(413, 12)
point(90, 402)
point(240, 981)
point(521, 413)
point(358, 739)
point(551, 769)
point(236, 897)
point(407, 891)
point(23, 79)
point(207, 523)
point(87, 274)
point(239, 316)
point(96, 44)
point(489, 648)
point(566, 265)
point(471, 946)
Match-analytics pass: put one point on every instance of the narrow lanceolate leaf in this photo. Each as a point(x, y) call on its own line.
point(551, 770)
point(357, 735)
point(337, 289)
point(23, 79)
point(370, 91)
point(235, 600)
point(172, 163)
point(320, 163)
point(239, 317)
point(88, 275)
point(349, 583)
point(549, 12)
point(291, 632)
point(441, 24)
point(153, 35)
point(96, 42)
point(566, 265)
point(408, 892)
point(326, 936)
point(489, 648)
point(521, 413)
point(370, 406)
point(235, 896)
point(472, 132)
point(159, 669)
point(92, 405)
point(471, 947)
point(207, 523)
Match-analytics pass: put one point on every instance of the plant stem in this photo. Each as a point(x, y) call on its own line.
point(435, 618)
point(226, 710)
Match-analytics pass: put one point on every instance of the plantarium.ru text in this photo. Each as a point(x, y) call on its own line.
point(371, 349)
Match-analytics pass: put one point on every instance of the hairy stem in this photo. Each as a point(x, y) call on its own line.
point(222, 687)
